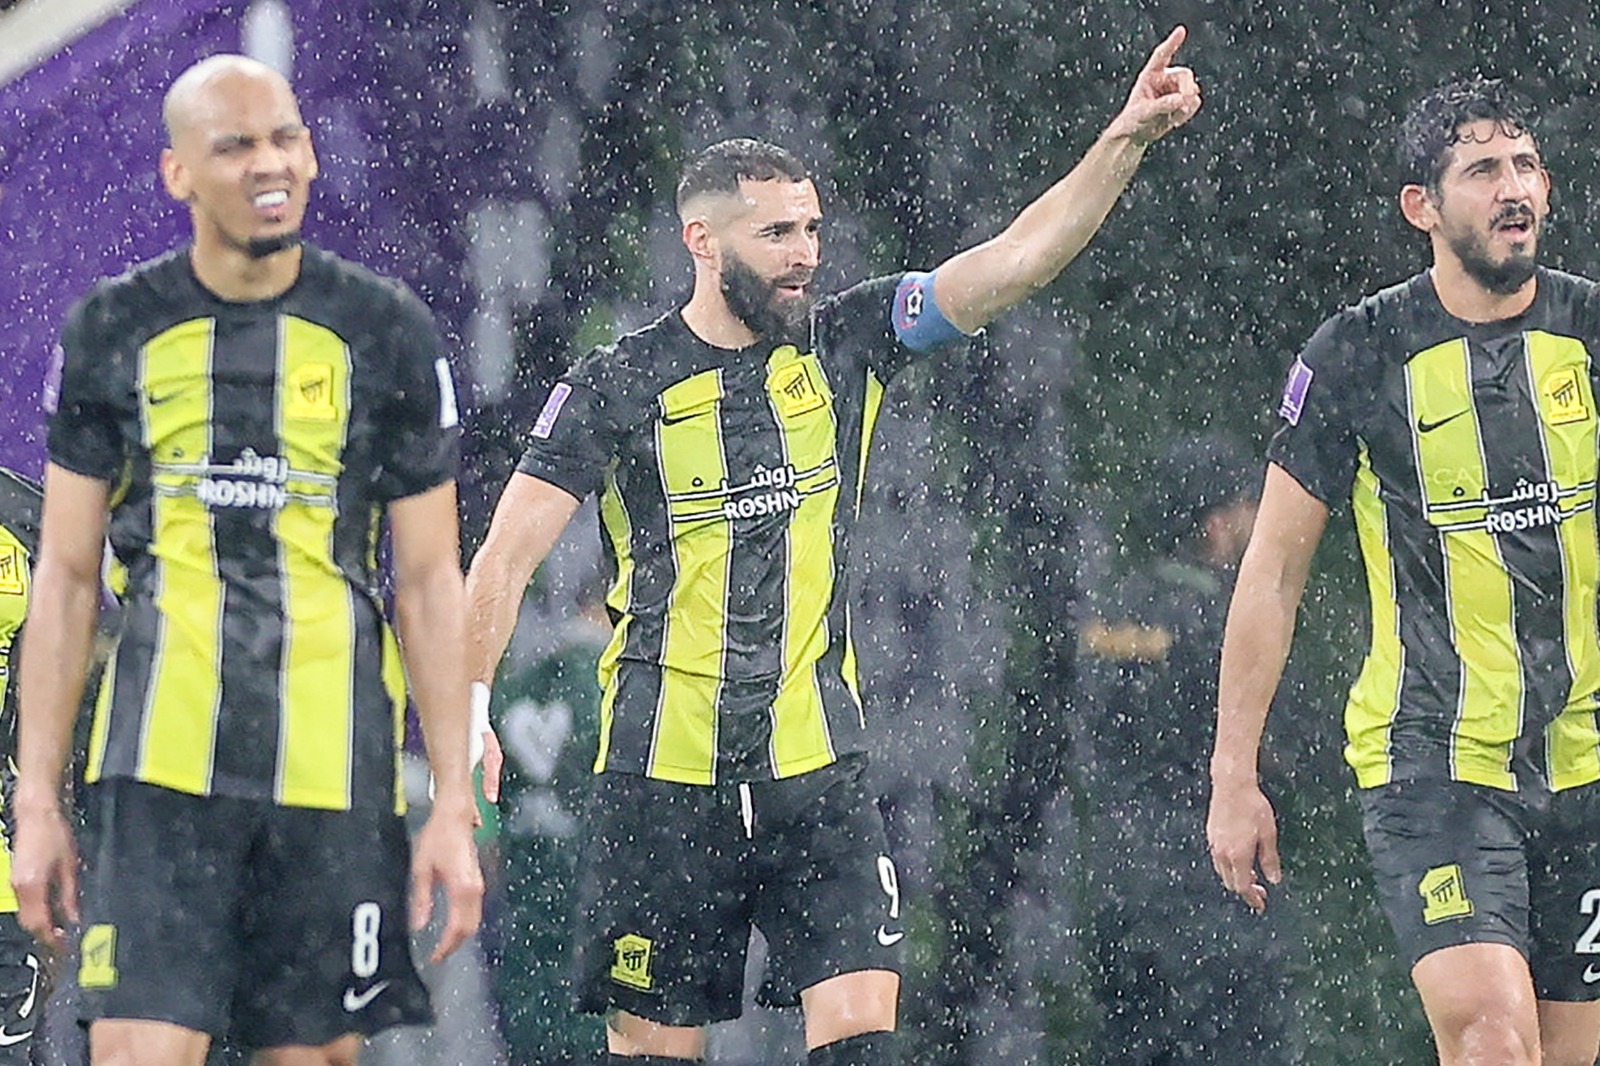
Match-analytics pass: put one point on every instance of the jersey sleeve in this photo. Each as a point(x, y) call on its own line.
point(892, 320)
point(574, 438)
point(82, 431)
point(1316, 441)
point(421, 430)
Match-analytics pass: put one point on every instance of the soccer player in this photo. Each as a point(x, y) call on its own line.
point(1455, 412)
point(242, 414)
point(727, 442)
point(21, 988)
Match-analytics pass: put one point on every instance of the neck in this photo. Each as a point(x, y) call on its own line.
point(708, 317)
point(235, 275)
point(1465, 297)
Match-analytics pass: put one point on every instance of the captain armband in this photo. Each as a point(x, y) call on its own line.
point(918, 321)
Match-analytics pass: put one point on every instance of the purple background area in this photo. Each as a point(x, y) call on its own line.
point(80, 135)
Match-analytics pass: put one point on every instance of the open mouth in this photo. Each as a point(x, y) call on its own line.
point(1516, 227)
point(271, 203)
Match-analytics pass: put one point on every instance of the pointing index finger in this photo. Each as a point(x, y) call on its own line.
point(1162, 56)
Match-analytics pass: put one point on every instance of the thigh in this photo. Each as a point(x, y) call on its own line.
point(1450, 864)
point(1564, 892)
point(829, 901)
point(160, 895)
point(663, 906)
point(326, 931)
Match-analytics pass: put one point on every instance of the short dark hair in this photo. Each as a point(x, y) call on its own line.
point(1433, 126)
point(721, 167)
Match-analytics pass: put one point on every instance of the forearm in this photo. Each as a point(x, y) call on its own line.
point(430, 616)
point(977, 285)
point(56, 654)
point(1255, 647)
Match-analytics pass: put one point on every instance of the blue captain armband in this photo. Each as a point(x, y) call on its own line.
point(918, 322)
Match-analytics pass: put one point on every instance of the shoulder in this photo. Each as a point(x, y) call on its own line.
point(875, 292)
point(1371, 325)
point(139, 292)
point(349, 286)
point(637, 361)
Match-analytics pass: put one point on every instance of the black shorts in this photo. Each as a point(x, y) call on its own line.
point(673, 877)
point(22, 991)
point(1462, 864)
point(267, 925)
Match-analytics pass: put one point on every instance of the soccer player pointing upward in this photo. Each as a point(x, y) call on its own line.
point(1455, 412)
point(727, 442)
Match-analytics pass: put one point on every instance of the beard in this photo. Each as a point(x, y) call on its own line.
point(755, 301)
point(1509, 274)
point(261, 247)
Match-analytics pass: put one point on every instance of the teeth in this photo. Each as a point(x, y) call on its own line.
point(276, 198)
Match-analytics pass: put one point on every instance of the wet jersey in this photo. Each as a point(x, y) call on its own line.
point(19, 541)
point(252, 449)
point(729, 481)
point(1468, 454)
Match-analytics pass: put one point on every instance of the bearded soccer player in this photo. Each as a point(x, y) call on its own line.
point(727, 442)
point(1455, 413)
point(243, 414)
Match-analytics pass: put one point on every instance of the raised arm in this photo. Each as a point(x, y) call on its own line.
point(976, 285)
point(55, 662)
point(430, 617)
point(1241, 826)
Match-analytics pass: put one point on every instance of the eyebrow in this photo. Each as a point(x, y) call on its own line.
point(227, 140)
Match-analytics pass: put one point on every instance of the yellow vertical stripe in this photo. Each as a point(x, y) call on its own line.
point(694, 476)
point(873, 405)
point(177, 746)
point(317, 671)
point(800, 740)
point(1559, 376)
point(99, 728)
point(1478, 590)
point(1375, 697)
point(615, 521)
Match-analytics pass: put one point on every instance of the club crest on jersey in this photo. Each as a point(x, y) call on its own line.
point(1444, 895)
point(310, 394)
point(1561, 396)
point(11, 570)
point(632, 967)
point(98, 952)
point(791, 386)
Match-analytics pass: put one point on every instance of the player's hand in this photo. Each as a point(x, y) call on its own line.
point(1243, 831)
point(44, 872)
point(1164, 96)
point(444, 856)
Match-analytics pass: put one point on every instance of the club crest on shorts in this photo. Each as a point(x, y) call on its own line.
point(99, 952)
point(634, 962)
point(1444, 895)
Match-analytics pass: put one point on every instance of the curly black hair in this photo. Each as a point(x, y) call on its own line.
point(1433, 125)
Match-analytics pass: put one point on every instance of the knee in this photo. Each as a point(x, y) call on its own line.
point(1488, 1038)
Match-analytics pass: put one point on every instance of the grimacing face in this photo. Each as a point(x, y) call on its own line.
point(242, 159)
point(1491, 204)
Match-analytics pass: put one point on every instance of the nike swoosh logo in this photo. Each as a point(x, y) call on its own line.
point(163, 398)
point(1590, 975)
point(1429, 427)
point(9, 1038)
point(888, 939)
point(354, 1002)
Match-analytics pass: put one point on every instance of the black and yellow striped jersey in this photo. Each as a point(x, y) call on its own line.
point(19, 541)
point(1469, 454)
point(729, 481)
point(252, 448)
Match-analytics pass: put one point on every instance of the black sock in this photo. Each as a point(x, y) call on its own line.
point(863, 1049)
point(613, 1059)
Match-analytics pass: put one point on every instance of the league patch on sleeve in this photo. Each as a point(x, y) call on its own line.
point(449, 413)
point(51, 397)
point(1293, 404)
point(552, 408)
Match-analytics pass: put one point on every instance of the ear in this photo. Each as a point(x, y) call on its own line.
point(1418, 207)
point(311, 151)
point(701, 242)
point(175, 176)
